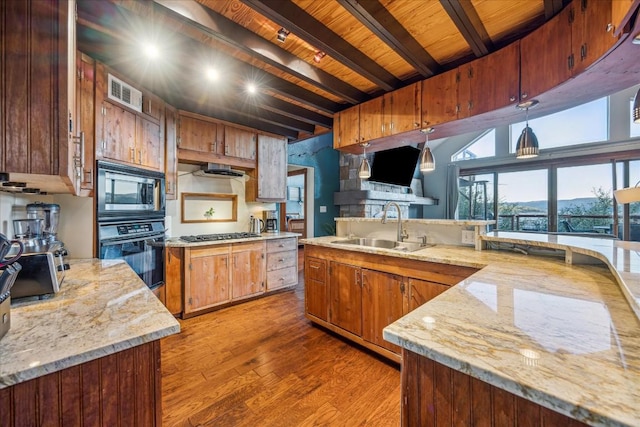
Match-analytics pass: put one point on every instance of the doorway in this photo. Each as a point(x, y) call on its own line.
point(293, 215)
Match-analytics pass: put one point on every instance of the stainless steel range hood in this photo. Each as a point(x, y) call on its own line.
point(215, 170)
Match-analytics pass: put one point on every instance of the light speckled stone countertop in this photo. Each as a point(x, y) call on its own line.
point(177, 243)
point(102, 308)
point(453, 222)
point(561, 335)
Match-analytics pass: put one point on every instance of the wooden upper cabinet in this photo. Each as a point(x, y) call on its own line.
point(150, 144)
point(117, 133)
point(620, 15)
point(239, 143)
point(592, 32)
point(402, 109)
point(371, 119)
point(199, 135)
point(171, 153)
point(84, 125)
point(348, 127)
point(493, 81)
point(440, 99)
point(545, 56)
point(345, 297)
point(382, 304)
point(268, 182)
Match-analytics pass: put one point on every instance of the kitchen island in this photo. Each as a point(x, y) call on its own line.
point(530, 337)
point(90, 354)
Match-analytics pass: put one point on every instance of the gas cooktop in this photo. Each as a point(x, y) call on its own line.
point(219, 236)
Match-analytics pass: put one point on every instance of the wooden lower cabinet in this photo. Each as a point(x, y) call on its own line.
point(206, 280)
point(120, 389)
point(282, 263)
point(357, 295)
point(436, 395)
point(247, 271)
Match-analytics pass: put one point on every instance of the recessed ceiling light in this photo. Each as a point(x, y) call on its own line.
point(212, 74)
point(318, 56)
point(151, 51)
point(282, 35)
point(251, 88)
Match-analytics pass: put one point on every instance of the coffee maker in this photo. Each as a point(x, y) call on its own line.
point(271, 221)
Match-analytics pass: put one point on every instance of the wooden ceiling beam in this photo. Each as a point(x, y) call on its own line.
point(386, 27)
point(303, 25)
point(205, 21)
point(465, 17)
point(551, 8)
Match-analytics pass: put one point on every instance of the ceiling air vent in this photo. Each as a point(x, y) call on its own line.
point(123, 93)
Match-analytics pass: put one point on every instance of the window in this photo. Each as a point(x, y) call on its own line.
point(475, 200)
point(523, 200)
point(483, 146)
point(578, 125)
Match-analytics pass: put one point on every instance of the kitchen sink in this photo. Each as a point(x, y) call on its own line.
point(382, 243)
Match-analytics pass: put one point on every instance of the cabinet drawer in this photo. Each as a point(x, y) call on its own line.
point(279, 245)
point(278, 260)
point(316, 269)
point(281, 278)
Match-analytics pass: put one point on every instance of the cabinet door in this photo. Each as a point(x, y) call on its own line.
point(150, 145)
point(118, 133)
point(85, 123)
point(545, 56)
point(198, 135)
point(272, 169)
point(402, 109)
point(591, 35)
point(170, 154)
point(421, 291)
point(486, 92)
point(206, 278)
point(440, 99)
point(382, 304)
point(239, 143)
point(173, 273)
point(247, 271)
point(349, 126)
point(345, 289)
point(315, 288)
point(371, 125)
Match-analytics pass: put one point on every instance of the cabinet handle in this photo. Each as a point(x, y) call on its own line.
point(89, 176)
point(140, 156)
point(524, 95)
point(470, 105)
point(583, 51)
point(133, 154)
point(512, 98)
point(416, 124)
point(314, 266)
point(281, 260)
point(391, 125)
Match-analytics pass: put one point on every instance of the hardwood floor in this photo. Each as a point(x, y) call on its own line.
point(263, 364)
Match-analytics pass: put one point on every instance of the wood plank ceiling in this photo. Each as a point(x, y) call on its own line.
point(370, 47)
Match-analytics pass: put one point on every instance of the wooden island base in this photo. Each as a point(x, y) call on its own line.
point(120, 389)
point(434, 394)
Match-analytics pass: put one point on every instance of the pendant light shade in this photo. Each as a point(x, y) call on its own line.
point(427, 162)
point(527, 146)
point(636, 108)
point(364, 171)
point(628, 195)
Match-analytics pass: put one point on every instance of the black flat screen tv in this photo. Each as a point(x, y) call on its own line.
point(396, 166)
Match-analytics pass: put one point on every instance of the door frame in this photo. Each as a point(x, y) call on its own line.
point(283, 205)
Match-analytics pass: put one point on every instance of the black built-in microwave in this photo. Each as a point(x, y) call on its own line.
point(127, 192)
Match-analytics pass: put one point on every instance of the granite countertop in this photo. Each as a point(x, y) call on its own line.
point(175, 242)
point(102, 308)
point(453, 222)
point(561, 335)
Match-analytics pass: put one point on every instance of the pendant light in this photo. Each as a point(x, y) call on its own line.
point(364, 171)
point(427, 162)
point(636, 108)
point(527, 146)
point(628, 195)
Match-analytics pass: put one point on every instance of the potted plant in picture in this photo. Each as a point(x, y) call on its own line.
point(209, 213)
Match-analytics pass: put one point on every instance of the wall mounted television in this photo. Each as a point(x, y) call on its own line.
point(396, 166)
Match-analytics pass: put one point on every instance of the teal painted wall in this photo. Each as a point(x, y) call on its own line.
point(319, 154)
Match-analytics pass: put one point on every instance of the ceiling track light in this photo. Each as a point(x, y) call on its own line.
point(282, 34)
point(527, 146)
point(427, 162)
point(364, 171)
point(318, 56)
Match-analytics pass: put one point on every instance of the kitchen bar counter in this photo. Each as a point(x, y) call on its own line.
point(560, 335)
point(102, 308)
point(175, 242)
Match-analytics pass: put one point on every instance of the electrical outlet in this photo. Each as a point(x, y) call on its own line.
point(468, 237)
point(323, 209)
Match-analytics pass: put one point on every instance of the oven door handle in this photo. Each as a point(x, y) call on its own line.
point(135, 239)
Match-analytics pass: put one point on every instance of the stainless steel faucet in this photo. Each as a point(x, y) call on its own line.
point(401, 236)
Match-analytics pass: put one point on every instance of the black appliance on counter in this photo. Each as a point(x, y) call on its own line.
point(130, 212)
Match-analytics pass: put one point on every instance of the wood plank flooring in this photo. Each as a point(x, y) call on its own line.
point(262, 363)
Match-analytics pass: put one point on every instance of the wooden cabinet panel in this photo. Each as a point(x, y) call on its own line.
point(440, 99)
point(315, 288)
point(268, 182)
point(486, 92)
point(173, 266)
point(150, 144)
point(207, 280)
point(118, 133)
point(247, 272)
point(345, 294)
point(382, 304)
point(421, 291)
point(371, 119)
point(280, 260)
point(402, 109)
point(84, 146)
point(199, 135)
point(285, 244)
point(171, 153)
point(282, 278)
point(620, 15)
point(592, 32)
point(239, 143)
point(152, 106)
point(545, 68)
point(348, 129)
